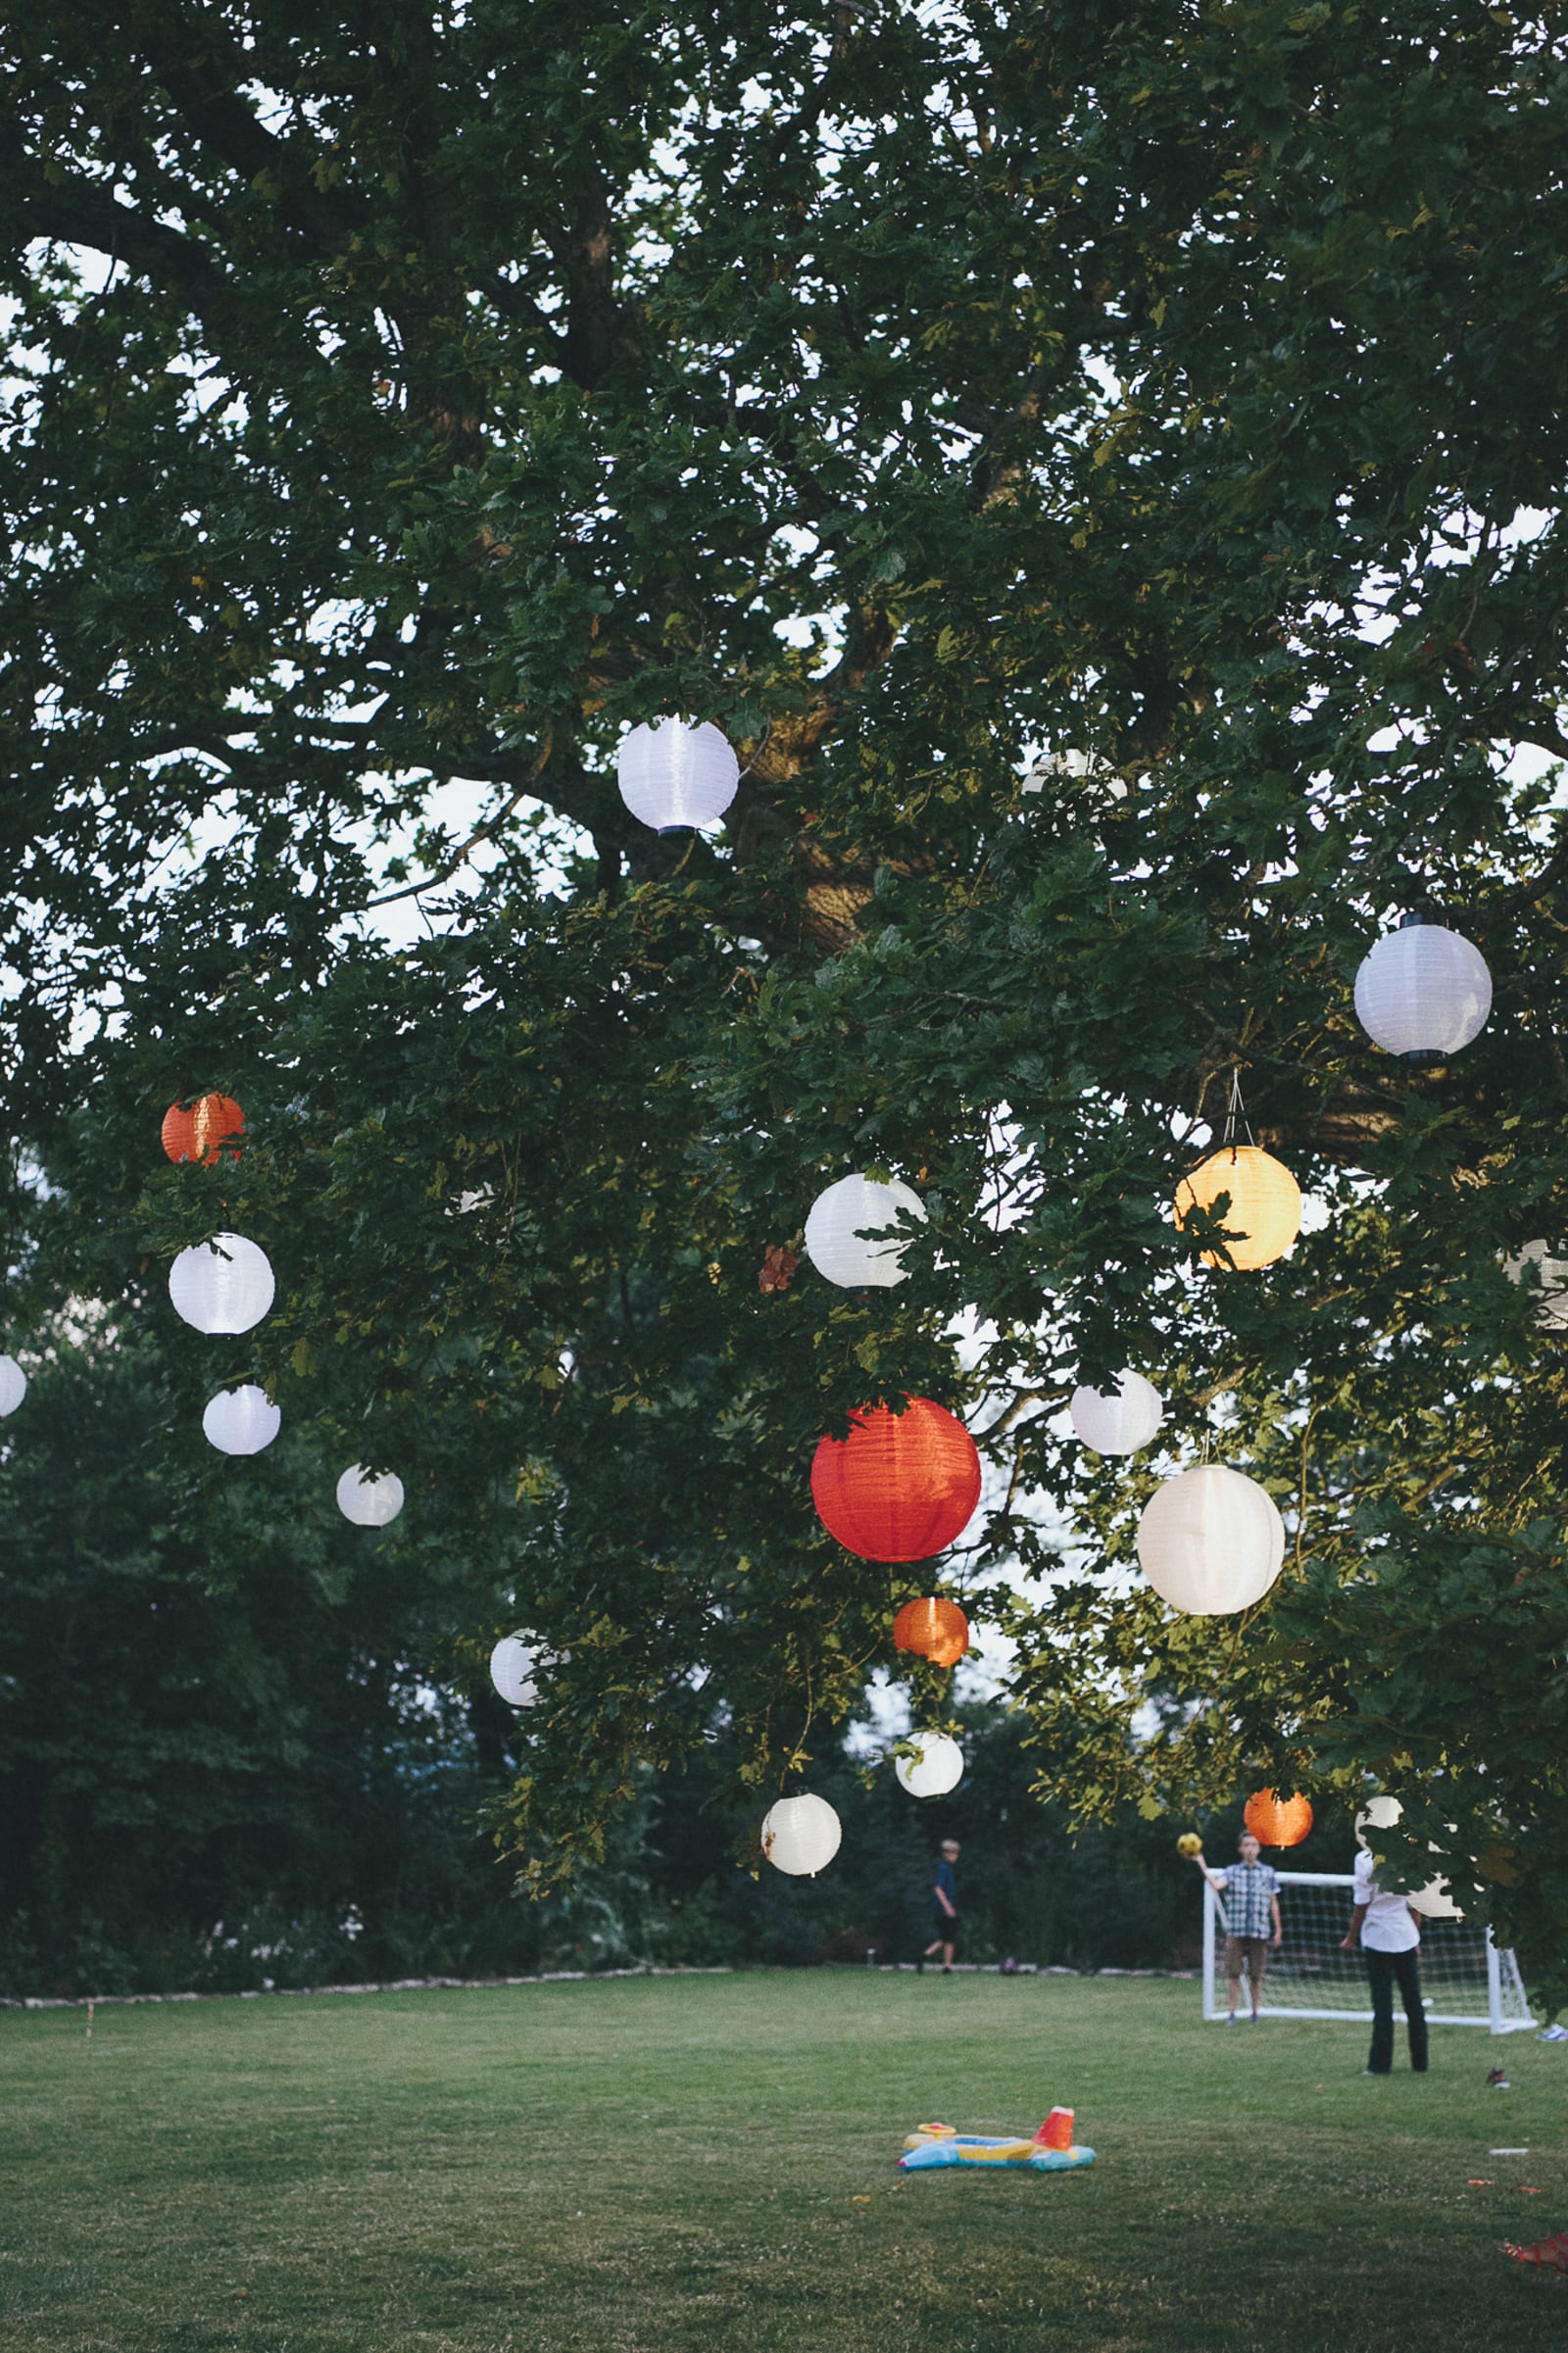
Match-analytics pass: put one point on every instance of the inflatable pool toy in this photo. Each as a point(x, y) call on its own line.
point(931, 2149)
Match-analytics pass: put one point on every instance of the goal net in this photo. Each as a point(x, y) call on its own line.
point(1465, 1979)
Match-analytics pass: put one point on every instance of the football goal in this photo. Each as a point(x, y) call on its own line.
point(1465, 1979)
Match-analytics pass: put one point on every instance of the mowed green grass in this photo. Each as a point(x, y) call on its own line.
point(709, 2163)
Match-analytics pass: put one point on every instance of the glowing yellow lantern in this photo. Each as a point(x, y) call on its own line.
point(1264, 1215)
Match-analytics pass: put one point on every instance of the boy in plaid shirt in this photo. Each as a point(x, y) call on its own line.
point(1252, 1909)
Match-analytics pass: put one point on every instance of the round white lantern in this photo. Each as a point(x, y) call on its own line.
point(1210, 1542)
point(512, 1662)
point(800, 1835)
point(1423, 991)
point(839, 1217)
point(675, 778)
point(369, 1501)
point(13, 1385)
point(241, 1421)
point(1550, 1283)
point(224, 1285)
point(935, 1768)
point(1120, 1420)
point(1378, 1813)
point(1433, 1902)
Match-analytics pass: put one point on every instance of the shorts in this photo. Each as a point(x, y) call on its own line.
point(1247, 1953)
point(944, 1929)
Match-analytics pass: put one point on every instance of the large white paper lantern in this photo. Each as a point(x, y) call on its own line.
point(675, 778)
point(801, 1835)
point(513, 1665)
point(224, 1285)
point(1423, 991)
point(369, 1501)
point(935, 1767)
point(241, 1421)
point(1210, 1542)
point(1550, 1283)
point(13, 1385)
point(840, 1216)
point(1120, 1420)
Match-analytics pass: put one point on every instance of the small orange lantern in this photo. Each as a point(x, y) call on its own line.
point(932, 1629)
point(201, 1133)
point(1276, 1821)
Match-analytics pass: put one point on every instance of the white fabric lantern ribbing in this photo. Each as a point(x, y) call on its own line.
point(935, 1768)
point(1118, 1421)
point(801, 1835)
point(675, 778)
point(511, 1670)
point(13, 1385)
point(241, 1421)
point(1210, 1542)
point(369, 1501)
point(1423, 992)
point(223, 1286)
point(856, 1205)
point(1550, 1283)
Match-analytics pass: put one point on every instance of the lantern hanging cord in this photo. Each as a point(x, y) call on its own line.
point(1235, 1111)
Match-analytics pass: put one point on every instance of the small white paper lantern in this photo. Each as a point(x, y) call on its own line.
point(1378, 1813)
point(513, 1664)
point(241, 1421)
point(856, 1205)
point(13, 1385)
point(369, 1501)
point(935, 1768)
point(1118, 1421)
point(1423, 991)
point(1550, 1283)
point(1210, 1542)
point(801, 1835)
point(675, 778)
point(1433, 1902)
point(224, 1285)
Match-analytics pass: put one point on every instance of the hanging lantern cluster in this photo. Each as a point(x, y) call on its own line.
point(1276, 1821)
point(841, 1221)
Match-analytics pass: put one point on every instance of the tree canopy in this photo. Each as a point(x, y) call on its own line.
point(1102, 467)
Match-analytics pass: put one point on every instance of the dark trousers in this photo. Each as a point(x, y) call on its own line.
point(1382, 1969)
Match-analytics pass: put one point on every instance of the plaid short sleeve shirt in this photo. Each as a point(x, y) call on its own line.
point(1250, 1889)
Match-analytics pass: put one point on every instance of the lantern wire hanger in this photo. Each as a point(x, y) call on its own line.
point(1236, 1110)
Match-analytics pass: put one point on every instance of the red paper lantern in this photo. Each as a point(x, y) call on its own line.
point(902, 1486)
point(1277, 1821)
point(201, 1133)
point(932, 1629)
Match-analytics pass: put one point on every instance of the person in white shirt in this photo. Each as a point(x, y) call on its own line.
point(1385, 1927)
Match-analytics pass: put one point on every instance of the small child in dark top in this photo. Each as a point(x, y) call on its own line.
point(945, 1907)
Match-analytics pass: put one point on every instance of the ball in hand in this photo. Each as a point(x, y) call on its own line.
point(1189, 1844)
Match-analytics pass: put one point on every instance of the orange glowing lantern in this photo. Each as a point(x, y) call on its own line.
point(932, 1629)
point(1276, 1821)
point(902, 1486)
point(202, 1131)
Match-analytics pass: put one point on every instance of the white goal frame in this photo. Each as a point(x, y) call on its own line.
point(1508, 2010)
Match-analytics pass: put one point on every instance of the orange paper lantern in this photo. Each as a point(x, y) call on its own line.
point(932, 1629)
point(1264, 1215)
point(201, 1133)
point(1277, 1821)
point(902, 1486)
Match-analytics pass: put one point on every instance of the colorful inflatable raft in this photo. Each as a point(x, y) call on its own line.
point(931, 2147)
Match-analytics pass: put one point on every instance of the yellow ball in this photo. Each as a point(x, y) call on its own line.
point(1266, 1203)
point(1189, 1844)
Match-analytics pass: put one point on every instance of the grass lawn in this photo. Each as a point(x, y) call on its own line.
point(708, 2163)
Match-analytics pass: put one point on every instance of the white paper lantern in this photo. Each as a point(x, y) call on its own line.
point(224, 1285)
point(801, 1835)
point(1550, 1283)
point(513, 1664)
point(1118, 1421)
point(675, 778)
point(369, 1501)
point(935, 1768)
point(241, 1421)
point(1210, 1542)
point(1433, 1902)
point(13, 1385)
point(1378, 1813)
point(856, 1206)
point(1423, 991)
